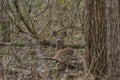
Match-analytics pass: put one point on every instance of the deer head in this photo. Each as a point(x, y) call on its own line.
point(59, 39)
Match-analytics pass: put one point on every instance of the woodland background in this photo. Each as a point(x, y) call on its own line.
point(27, 44)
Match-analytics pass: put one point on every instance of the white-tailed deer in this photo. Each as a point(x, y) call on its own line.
point(68, 58)
point(64, 54)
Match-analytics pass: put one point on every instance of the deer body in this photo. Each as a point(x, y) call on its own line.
point(63, 54)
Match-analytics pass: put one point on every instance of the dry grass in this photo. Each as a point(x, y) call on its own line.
point(43, 69)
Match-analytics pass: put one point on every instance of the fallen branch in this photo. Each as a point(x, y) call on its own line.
point(43, 43)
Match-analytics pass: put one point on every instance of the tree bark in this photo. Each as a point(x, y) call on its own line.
point(113, 39)
point(5, 22)
point(102, 36)
point(95, 37)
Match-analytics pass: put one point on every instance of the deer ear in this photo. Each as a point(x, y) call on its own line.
point(64, 33)
point(54, 33)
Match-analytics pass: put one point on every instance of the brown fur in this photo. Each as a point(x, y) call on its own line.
point(65, 54)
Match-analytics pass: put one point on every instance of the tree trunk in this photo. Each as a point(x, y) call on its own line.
point(102, 33)
point(113, 39)
point(4, 33)
point(95, 36)
point(5, 22)
point(119, 7)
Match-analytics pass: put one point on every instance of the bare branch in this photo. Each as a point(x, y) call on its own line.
point(23, 19)
point(43, 43)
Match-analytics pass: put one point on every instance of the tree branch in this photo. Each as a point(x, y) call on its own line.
point(43, 43)
point(23, 19)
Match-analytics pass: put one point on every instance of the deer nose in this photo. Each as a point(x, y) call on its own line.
point(59, 39)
